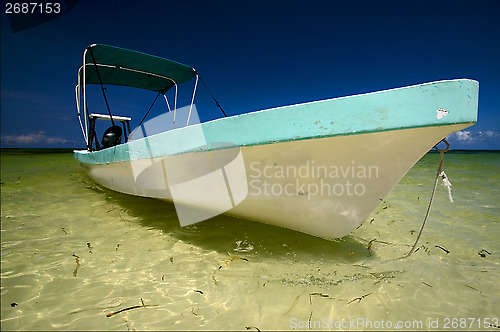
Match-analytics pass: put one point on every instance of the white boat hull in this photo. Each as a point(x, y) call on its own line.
point(326, 187)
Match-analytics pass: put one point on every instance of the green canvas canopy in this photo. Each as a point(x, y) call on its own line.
point(118, 66)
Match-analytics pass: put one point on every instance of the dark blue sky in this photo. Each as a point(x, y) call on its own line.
point(252, 55)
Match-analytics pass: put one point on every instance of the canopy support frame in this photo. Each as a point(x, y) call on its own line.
point(100, 83)
point(101, 65)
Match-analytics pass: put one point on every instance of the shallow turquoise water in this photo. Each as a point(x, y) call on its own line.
point(74, 252)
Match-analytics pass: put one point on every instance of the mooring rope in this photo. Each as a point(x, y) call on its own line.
point(211, 94)
point(438, 174)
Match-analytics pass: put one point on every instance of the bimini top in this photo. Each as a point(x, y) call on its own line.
point(118, 66)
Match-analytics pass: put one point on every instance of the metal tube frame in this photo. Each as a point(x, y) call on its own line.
point(81, 103)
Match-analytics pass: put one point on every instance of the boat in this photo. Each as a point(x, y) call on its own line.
point(318, 167)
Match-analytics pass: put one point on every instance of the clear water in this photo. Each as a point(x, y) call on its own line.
point(73, 252)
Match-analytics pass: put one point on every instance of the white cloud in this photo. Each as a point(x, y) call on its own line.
point(489, 134)
point(489, 139)
point(463, 136)
point(34, 138)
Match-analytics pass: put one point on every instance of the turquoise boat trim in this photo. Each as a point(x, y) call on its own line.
point(93, 157)
point(395, 109)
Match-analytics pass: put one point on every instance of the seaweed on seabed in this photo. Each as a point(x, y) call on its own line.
point(358, 298)
point(226, 262)
point(482, 253)
point(443, 248)
point(318, 294)
point(133, 307)
point(77, 265)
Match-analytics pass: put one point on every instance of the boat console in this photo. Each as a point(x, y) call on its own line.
point(113, 135)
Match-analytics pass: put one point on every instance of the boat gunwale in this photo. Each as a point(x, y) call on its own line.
point(86, 152)
point(122, 153)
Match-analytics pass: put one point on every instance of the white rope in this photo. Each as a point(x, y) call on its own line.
point(438, 174)
point(447, 184)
